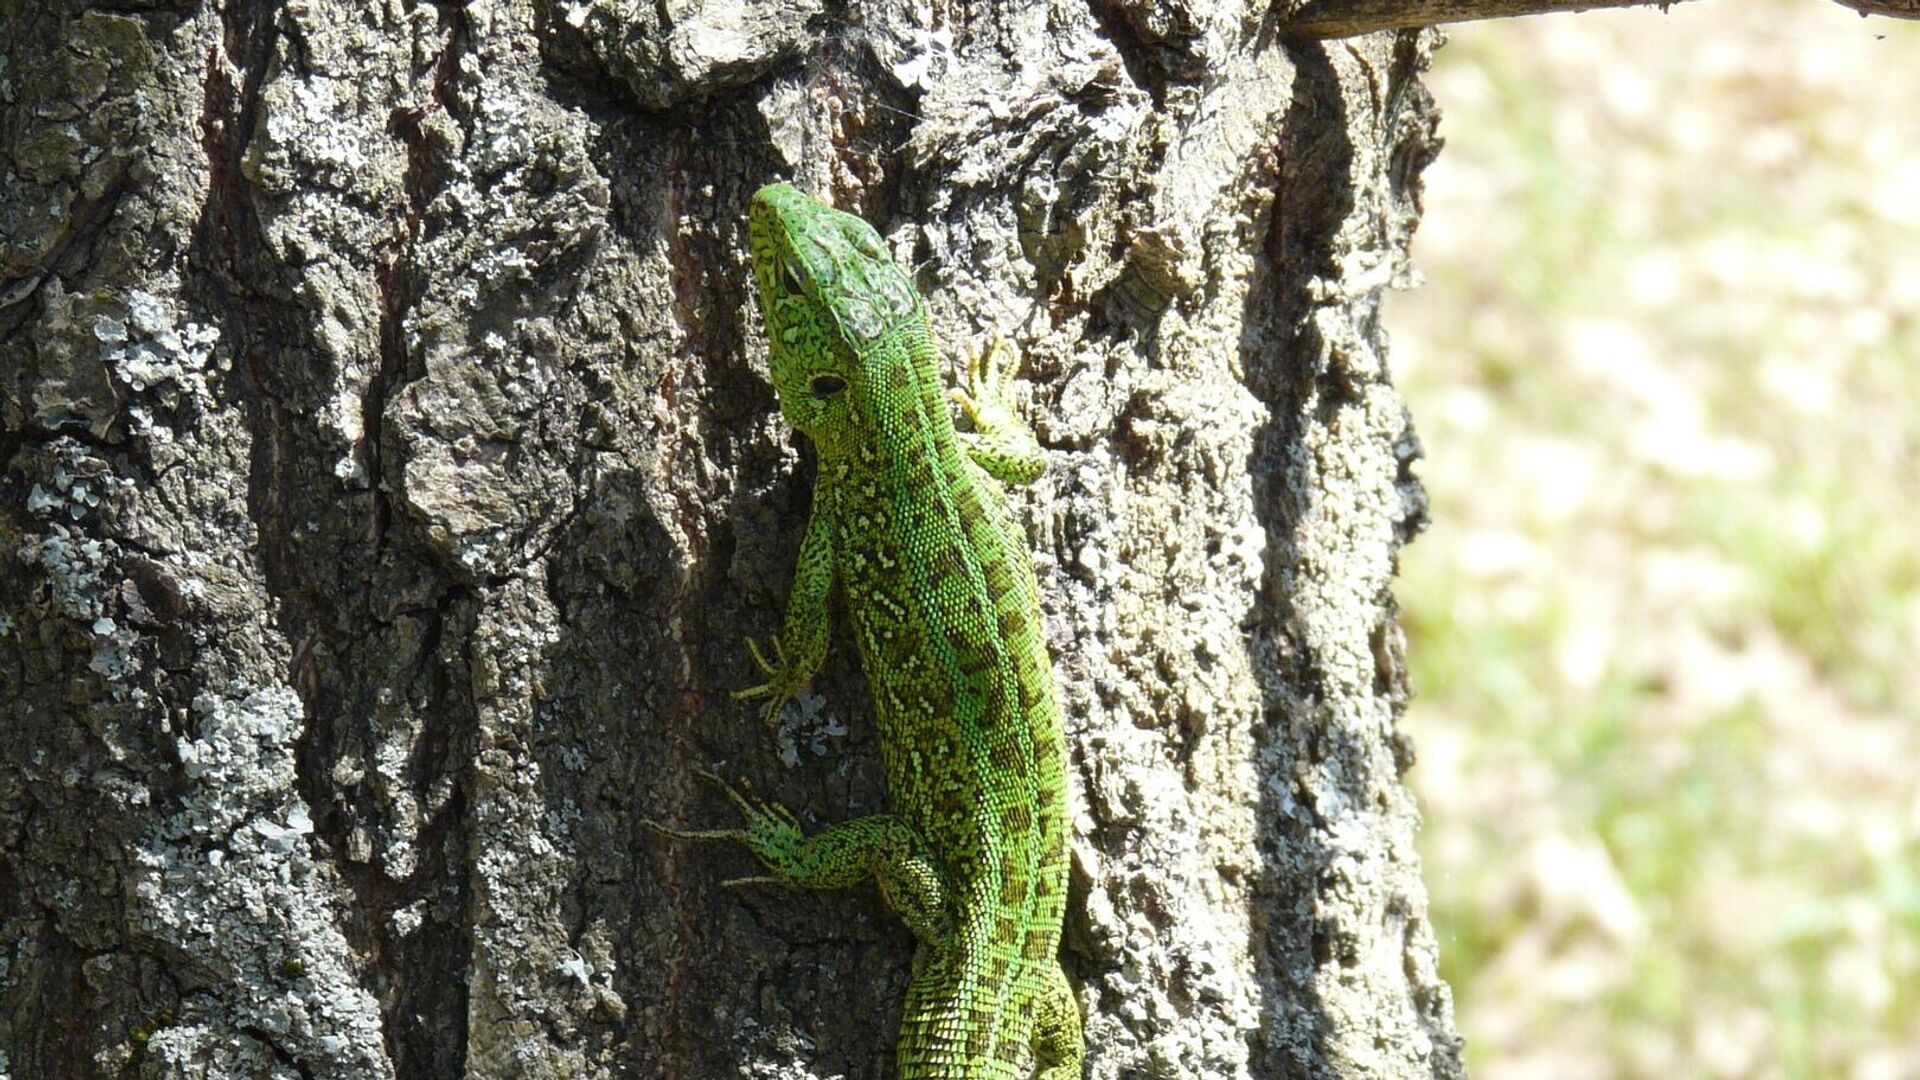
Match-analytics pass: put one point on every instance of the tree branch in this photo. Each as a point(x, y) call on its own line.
point(1346, 18)
point(1892, 9)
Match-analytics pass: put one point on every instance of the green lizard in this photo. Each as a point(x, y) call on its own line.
point(908, 519)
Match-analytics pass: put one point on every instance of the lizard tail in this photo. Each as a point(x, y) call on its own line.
point(948, 1030)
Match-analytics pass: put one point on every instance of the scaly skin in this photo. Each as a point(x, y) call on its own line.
point(909, 521)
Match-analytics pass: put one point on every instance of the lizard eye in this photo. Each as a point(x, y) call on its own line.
point(790, 277)
point(825, 386)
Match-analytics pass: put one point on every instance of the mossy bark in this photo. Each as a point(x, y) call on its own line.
point(391, 475)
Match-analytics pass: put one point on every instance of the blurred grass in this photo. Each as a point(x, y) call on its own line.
point(1666, 626)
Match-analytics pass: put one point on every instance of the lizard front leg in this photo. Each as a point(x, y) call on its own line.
point(883, 846)
point(1000, 442)
point(802, 644)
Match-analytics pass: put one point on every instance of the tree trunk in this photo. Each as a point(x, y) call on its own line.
point(391, 475)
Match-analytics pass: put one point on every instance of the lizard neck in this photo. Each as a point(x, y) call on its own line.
point(908, 449)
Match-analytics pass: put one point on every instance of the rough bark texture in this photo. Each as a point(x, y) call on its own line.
point(391, 475)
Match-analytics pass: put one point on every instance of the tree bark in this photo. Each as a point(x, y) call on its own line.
point(391, 474)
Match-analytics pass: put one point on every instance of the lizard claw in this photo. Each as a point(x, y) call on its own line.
point(986, 399)
point(757, 810)
point(969, 408)
point(779, 661)
point(775, 689)
point(996, 363)
point(757, 879)
point(761, 814)
point(700, 834)
point(737, 835)
point(771, 831)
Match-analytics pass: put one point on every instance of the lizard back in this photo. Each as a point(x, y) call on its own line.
point(946, 618)
point(947, 621)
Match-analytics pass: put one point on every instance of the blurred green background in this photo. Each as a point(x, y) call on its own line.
point(1665, 628)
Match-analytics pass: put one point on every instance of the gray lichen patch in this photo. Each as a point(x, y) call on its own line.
point(534, 997)
point(805, 728)
point(153, 349)
point(65, 380)
point(228, 884)
point(106, 356)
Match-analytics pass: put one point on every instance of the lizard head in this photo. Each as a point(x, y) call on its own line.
point(831, 297)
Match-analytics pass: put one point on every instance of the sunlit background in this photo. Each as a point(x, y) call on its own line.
point(1665, 628)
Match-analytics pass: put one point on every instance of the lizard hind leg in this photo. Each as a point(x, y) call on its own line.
point(1058, 1047)
point(882, 846)
point(771, 832)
